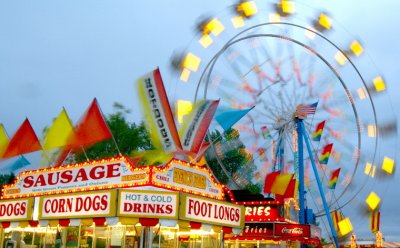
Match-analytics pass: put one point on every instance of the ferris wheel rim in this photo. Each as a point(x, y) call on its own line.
point(206, 74)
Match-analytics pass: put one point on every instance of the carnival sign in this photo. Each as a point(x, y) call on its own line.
point(291, 230)
point(16, 210)
point(205, 210)
point(261, 213)
point(258, 229)
point(151, 204)
point(93, 204)
point(182, 176)
point(95, 175)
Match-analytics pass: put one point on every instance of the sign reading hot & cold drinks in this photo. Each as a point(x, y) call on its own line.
point(150, 204)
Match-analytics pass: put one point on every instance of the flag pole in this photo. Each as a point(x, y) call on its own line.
point(112, 135)
point(302, 135)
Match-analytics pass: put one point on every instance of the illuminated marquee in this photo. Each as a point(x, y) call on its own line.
point(96, 204)
point(16, 210)
point(182, 176)
point(261, 213)
point(94, 175)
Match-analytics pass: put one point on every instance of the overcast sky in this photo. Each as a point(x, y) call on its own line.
point(61, 53)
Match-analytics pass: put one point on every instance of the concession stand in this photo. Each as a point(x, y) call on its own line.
point(115, 203)
point(271, 222)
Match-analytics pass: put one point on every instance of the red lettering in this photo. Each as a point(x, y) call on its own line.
point(104, 202)
point(40, 181)
point(62, 206)
point(46, 206)
point(13, 209)
point(87, 204)
point(190, 206)
point(81, 174)
point(66, 176)
point(160, 209)
point(127, 207)
point(79, 204)
point(96, 203)
point(28, 182)
point(209, 210)
point(69, 204)
point(113, 170)
point(23, 208)
point(168, 209)
point(50, 179)
point(137, 208)
point(94, 174)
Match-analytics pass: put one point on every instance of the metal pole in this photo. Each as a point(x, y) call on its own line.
point(321, 190)
point(300, 161)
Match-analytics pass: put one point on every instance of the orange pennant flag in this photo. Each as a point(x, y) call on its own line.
point(281, 184)
point(269, 181)
point(23, 141)
point(90, 129)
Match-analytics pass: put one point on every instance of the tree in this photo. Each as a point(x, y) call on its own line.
point(6, 179)
point(128, 137)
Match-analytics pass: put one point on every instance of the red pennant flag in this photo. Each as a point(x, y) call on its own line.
point(334, 178)
point(291, 189)
point(269, 181)
point(91, 128)
point(23, 141)
point(326, 152)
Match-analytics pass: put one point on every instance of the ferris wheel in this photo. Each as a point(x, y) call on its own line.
point(277, 57)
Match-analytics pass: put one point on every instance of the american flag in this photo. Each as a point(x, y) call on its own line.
point(308, 109)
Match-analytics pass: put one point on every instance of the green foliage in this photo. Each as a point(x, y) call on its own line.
point(253, 188)
point(128, 136)
point(6, 179)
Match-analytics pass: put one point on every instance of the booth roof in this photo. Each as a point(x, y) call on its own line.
point(248, 196)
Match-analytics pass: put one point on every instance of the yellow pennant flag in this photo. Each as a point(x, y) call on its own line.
point(281, 183)
point(3, 139)
point(59, 132)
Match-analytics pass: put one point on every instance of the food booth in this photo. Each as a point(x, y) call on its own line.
point(271, 222)
point(114, 203)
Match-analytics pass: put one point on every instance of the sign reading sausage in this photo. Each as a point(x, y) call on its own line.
point(99, 204)
point(154, 204)
point(96, 175)
point(16, 210)
point(211, 211)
